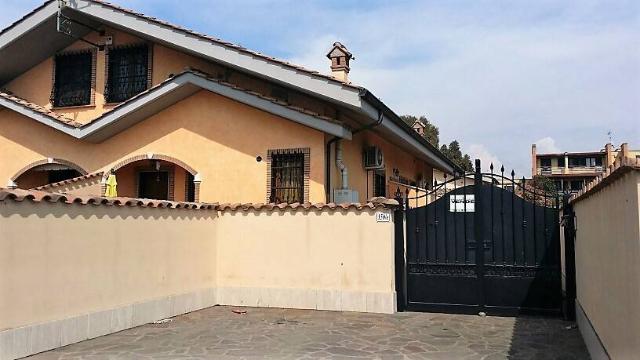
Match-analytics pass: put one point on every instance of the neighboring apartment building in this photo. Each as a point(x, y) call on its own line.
point(570, 171)
point(178, 115)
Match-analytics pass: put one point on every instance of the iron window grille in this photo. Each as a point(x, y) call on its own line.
point(128, 73)
point(287, 177)
point(379, 184)
point(73, 79)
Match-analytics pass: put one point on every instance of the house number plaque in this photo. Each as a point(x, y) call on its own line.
point(383, 217)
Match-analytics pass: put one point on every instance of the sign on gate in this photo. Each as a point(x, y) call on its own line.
point(457, 203)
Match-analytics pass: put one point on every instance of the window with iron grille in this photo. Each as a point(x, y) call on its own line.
point(379, 184)
point(128, 73)
point(287, 176)
point(73, 79)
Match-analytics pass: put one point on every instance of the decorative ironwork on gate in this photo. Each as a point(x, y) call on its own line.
point(483, 242)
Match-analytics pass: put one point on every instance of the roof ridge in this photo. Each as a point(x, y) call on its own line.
point(197, 34)
point(225, 43)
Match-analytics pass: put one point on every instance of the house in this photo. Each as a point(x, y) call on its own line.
point(90, 89)
point(570, 171)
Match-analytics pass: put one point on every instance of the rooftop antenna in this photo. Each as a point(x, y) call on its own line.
point(63, 25)
point(610, 134)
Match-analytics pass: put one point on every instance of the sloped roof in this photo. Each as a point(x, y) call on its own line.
point(48, 187)
point(163, 95)
point(40, 22)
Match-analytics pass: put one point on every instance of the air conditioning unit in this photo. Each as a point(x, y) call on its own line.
point(373, 158)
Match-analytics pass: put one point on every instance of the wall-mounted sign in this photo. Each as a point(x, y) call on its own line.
point(462, 203)
point(383, 217)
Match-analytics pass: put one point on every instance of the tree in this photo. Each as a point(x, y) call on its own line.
point(431, 132)
point(543, 183)
point(432, 135)
point(454, 154)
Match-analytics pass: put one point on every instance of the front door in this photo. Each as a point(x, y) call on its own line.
point(153, 185)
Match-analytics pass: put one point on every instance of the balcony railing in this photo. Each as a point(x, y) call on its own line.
point(572, 170)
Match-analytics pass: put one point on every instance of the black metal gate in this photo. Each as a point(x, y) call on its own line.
point(483, 242)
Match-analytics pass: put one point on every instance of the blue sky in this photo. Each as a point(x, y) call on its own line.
point(496, 75)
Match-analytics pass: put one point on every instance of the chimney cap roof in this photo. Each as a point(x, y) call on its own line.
point(419, 123)
point(341, 48)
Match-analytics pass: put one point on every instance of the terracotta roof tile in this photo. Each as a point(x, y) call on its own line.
point(37, 196)
point(374, 203)
point(29, 105)
point(68, 181)
point(620, 167)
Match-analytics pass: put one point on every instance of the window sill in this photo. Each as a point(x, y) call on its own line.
point(73, 107)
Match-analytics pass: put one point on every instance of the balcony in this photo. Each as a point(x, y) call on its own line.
point(572, 170)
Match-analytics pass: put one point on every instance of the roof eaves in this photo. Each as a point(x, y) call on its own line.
point(377, 103)
point(26, 16)
point(121, 110)
point(225, 43)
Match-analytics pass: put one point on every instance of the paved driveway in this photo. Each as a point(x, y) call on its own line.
point(219, 333)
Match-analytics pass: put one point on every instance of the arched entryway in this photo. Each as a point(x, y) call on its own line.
point(156, 176)
point(45, 171)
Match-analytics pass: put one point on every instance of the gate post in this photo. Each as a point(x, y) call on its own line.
point(479, 233)
point(569, 301)
point(399, 250)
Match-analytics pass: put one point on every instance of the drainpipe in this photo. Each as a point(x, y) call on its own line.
point(327, 182)
point(343, 168)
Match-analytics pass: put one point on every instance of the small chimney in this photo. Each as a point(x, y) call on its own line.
point(419, 127)
point(340, 57)
point(534, 160)
point(609, 155)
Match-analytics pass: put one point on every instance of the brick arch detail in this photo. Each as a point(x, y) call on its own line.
point(152, 156)
point(49, 161)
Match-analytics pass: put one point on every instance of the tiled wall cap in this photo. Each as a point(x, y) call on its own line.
point(19, 195)
point(612, 173)
point(378, 203)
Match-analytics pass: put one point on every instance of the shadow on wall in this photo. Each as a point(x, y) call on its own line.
point(546, 338)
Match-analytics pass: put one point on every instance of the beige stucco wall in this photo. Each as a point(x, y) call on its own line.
point(69, 272)
point(218, 137)
point(608, 264)
point(59, 260)
point(344, 257)
point(394, 158)
point(35, 85)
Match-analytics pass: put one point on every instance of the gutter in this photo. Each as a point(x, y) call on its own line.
point(371, 99)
